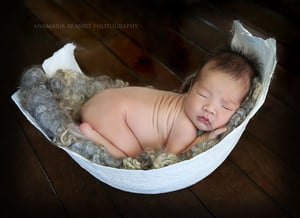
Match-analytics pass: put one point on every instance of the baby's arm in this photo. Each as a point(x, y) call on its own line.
point(178, 143)
point(205, 137)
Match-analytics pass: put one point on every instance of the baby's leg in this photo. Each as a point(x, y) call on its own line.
point(104, 122)
point(87, 130)
point(122, 136)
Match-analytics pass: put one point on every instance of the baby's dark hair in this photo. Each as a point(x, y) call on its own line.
point(229, 60)
point(234, 62)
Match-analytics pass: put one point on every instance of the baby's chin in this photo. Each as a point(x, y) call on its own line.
point(205, 128)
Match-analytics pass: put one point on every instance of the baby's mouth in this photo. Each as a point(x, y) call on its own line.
point(204, 120)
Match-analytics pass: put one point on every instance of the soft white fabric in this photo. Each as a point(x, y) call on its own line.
point(184, 173)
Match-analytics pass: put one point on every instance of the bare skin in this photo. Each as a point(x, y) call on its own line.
point(129, 120)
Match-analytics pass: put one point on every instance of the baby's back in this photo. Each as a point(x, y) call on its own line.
point(148, 113)
point(151, 114)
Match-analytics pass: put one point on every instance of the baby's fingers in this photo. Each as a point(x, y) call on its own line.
point(214, 134)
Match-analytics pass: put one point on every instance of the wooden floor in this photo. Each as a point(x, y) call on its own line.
point(163, 42)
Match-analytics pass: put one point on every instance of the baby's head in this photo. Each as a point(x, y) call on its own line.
point(219, 88)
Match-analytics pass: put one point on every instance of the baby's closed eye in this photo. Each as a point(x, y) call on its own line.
point(228, 108)
point(204, 95)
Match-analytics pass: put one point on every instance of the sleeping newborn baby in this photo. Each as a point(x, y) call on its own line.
point(128, 120)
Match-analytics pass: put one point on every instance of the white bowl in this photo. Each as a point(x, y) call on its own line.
point(184, 173)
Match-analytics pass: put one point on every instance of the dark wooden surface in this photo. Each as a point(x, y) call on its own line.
point(260, 178)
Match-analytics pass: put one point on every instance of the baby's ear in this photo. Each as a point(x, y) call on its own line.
point(187, 83)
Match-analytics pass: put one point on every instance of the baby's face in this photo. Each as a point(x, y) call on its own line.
point(214, 98)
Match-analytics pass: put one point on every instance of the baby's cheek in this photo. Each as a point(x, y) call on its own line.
point(222, 121)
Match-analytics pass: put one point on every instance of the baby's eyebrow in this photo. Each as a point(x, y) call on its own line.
point(204, 89)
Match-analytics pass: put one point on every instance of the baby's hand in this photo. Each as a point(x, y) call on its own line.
point(215, 133)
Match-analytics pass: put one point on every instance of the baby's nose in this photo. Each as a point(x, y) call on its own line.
point(209, 108)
